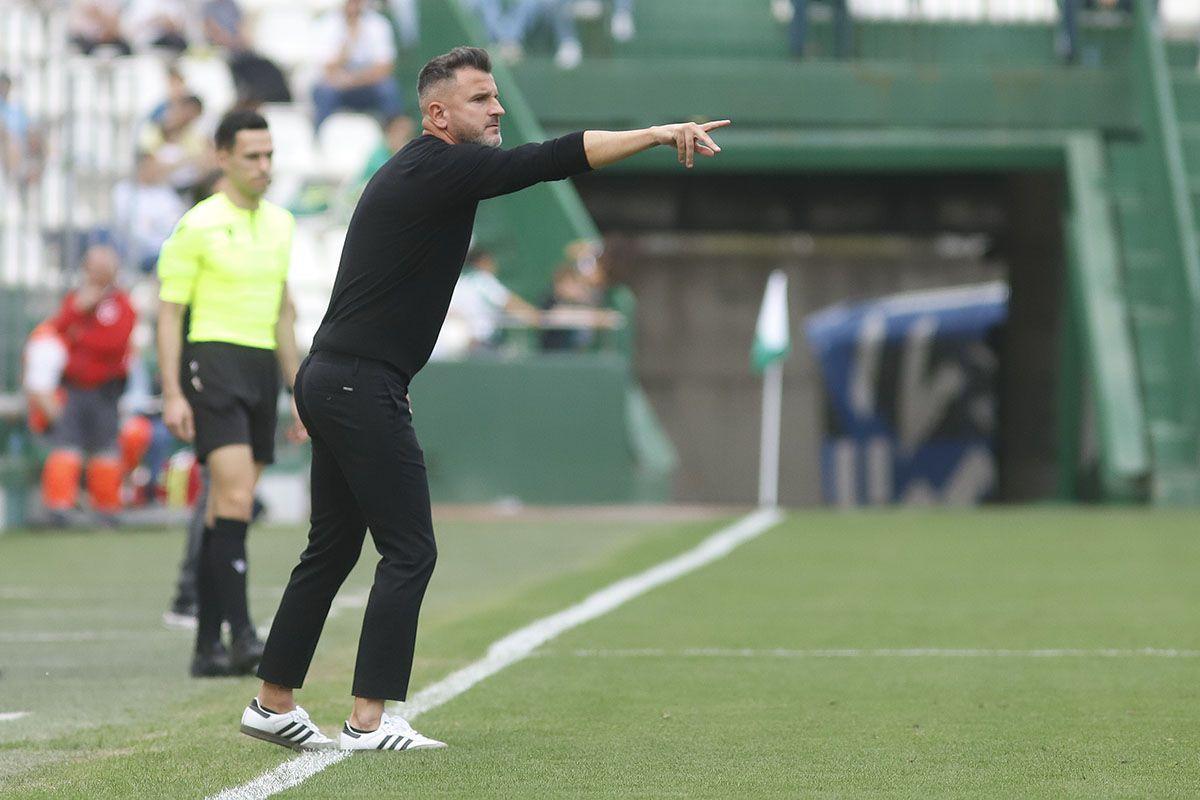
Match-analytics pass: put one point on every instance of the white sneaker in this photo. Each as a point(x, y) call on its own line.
point(622, 26)
point(393, 733)
point(292, 729)
point(569, 54)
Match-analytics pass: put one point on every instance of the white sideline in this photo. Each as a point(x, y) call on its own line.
point(906, 652)
point(519, 644)
point(9, 716)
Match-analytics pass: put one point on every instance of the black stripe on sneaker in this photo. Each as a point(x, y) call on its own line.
point(407, 742)
point(346, 730)
point(257, 709)
point(305, 737)
point(383, 744)
point(282, 731)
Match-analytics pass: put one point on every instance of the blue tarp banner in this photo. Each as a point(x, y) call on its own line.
point(910, 387)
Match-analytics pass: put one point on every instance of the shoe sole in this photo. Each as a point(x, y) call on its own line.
point(282, 742)
point(441, 746)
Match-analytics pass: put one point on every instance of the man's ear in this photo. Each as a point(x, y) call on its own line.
point(437, 114)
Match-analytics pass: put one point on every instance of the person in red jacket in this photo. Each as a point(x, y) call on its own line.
point(95, 321)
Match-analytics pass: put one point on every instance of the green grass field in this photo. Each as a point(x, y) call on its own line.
point(898, 655)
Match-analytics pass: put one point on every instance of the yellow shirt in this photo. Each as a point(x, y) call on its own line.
point(230, 265)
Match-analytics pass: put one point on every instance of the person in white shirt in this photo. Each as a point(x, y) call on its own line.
point(483, 302)
point(96, 23)
point(356, 50)
point(145, 211)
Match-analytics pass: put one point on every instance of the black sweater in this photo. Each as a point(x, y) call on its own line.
point(409, 236)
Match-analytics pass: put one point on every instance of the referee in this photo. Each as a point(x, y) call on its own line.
point(403, 253)
point(228, 260)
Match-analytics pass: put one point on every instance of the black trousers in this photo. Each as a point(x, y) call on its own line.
point(367, 472)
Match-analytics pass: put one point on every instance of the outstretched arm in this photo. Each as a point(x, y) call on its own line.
point(688, 138)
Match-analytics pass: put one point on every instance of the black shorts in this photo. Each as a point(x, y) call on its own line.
point(234, 394)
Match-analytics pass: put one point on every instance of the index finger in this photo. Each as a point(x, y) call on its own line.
point(720, 123)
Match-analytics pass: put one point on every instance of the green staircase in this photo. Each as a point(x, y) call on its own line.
point(1155, 184)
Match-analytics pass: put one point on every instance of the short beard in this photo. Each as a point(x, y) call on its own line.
point(482, 138)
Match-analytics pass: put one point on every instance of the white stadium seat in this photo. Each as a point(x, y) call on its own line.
point(141, 83)
point(209, 78)
point(306, 265)
point(292, 135)
point(1180, 13)
point(346, 140)
point(335, 238)
point(284, 34)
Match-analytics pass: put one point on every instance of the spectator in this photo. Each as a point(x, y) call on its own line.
point(794, 13)
point(177, 92)
point(257, 79)
point(526, 14)
point(145, 210)
point(95, 321)
point(179, 145)
point(96, 23)
point(483, 301)
point(43, 361)
point(571, 316)
point(157, 23)
point(406, 16)
point(355, 49)
point(510, 28)
point(491, 15)
point(620, 24)
point(397, 132)
point(20, 144)
point(1068, 35)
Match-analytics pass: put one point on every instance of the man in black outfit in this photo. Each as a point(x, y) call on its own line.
point(403, 254)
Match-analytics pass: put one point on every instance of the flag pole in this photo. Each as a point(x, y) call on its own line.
point(772, 342)
point(772, 411)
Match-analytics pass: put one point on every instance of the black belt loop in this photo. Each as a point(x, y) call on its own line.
point(357, 361)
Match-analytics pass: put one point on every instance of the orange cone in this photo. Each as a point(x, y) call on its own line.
point(60, 480)
point(104, 483)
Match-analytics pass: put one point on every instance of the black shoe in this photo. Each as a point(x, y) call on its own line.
point(246, 652)
point(211, 661)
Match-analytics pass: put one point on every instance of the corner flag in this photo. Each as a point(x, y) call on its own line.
point(772, 341)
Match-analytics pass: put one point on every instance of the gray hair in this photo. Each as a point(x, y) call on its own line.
point(444, 67)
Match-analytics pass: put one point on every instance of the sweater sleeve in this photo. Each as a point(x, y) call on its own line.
point(477, 172)
point(67, 316)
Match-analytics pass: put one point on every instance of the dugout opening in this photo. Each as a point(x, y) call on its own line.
point(696, 249)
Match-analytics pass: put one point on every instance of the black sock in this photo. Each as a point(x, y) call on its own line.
point(227, 557)
point(208, 598)
point(356, 730)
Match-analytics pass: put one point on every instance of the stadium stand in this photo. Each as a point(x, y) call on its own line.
point(90, 109)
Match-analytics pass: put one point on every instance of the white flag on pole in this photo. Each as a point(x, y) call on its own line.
point(772, 340)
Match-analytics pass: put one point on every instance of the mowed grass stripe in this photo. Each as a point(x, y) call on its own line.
point(520, 643)
point(136, 726)
point(681, 726)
